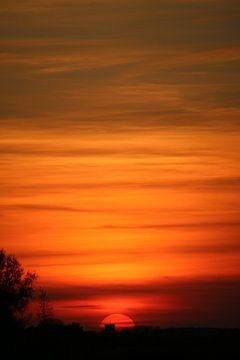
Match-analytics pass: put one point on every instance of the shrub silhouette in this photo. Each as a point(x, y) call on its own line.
point(46, 317)
point(16, 290)
point(45, 310)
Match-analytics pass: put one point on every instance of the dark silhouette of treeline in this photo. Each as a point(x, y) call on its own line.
point(72, 342)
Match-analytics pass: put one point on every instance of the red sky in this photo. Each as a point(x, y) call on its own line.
point(119, 160)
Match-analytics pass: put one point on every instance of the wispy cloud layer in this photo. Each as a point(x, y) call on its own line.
point(93, 61)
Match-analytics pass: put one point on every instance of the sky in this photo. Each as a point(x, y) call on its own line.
point(119, 143)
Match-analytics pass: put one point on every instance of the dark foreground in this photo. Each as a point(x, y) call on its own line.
point(142, 343)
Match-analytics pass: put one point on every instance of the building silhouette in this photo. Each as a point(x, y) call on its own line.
point(109, 328)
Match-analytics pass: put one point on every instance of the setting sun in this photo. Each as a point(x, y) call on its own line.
point(120, 321)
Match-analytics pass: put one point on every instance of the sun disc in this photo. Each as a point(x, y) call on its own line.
point(121, 321)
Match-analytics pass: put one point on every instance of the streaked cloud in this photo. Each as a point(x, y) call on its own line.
point(69, 58)
point(41, 207)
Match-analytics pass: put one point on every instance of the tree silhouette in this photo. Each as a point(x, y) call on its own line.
point(45, 309)
point(16, 289)
point(46, 317)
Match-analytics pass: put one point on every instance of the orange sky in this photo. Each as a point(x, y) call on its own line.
point(119, 160)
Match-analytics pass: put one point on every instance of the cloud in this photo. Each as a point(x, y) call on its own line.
point(167, 286)
point(42, 207)
point(40, 149)
point(84, 306)
point(103, 62)
point(228, 184)
point(121, 255)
